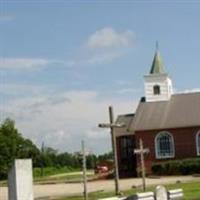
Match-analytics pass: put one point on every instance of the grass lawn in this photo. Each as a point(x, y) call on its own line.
point(58, 176)
point(191, 192)
point(64, 178)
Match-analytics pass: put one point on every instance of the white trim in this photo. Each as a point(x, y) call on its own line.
point(163, 81)
point(197, 145)
point(156, 146)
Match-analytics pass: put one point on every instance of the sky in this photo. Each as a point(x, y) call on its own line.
point(62, 63)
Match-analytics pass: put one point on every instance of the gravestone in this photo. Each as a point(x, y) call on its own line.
point(175, 194)
point(20, 180)
point(113, 198)
point(161, 193)
point(142, 196)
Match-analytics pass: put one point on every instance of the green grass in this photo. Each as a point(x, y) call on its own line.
point(191, 192)
point(49, 171)
point(57, 175)
point(62, 179)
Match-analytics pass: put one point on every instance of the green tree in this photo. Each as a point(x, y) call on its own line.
point(13, 145)
point(91, 160)
point(105, 156)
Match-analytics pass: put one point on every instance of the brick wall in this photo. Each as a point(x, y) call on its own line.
point(184, 142)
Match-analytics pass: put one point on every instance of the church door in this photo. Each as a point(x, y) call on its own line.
point(126, 158)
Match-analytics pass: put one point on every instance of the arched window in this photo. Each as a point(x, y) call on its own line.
point(156, 89)
point(198, 143)
point(164, 145)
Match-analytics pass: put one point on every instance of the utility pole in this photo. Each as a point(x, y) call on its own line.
point(112, 125)
point(42, 160)
point(141, 151)
point(84, 171)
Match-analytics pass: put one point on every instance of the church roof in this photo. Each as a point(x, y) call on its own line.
point(182, 110)
point(124, 119)
point(157, 65)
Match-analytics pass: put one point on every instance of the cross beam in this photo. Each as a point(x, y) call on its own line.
point(141, 151)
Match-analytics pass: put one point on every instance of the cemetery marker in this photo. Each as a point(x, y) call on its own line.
point(141, 151)
point(113, 125)
point(20, 180)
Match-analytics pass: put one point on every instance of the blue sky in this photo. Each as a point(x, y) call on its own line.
point(62, 63)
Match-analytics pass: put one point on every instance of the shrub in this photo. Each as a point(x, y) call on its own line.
point(177, 167)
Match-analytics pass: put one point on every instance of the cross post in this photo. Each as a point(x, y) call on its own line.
point(113, 125)
point(84, 172)
point(141, 151)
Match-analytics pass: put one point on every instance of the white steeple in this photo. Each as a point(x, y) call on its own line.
point(158, 85)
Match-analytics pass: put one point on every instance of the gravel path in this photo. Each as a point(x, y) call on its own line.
point(106, 185)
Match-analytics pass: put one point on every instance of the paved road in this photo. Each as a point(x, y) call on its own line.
point(106, 185)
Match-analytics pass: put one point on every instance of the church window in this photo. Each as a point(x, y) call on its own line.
point(164, 145)
point(156, 90)
point(198, 143)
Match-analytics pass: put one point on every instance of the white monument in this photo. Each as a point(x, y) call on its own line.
point(161, 193)
point(20, 180)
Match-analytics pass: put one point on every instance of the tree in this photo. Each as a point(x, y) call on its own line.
point(106, 156)
point(91, 160)
point(13, 145)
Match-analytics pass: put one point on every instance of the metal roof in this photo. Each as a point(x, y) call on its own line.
point(182, 110)
point(125, 119)
point(157, 65)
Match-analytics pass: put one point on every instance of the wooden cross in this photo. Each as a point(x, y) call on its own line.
point(113, 125)
point(141, 151)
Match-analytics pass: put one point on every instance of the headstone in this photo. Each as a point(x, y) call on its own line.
point(20, 180)
point(113, 198)
point(175, 194)
point(161, 193)
point(142, 196)
point(145, 196)
point(132, 197)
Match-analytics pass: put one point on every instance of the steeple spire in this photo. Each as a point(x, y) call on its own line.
point(157, 45)
point(158, 85)
point(157, 65)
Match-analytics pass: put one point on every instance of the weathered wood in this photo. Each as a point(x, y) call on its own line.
point(85, 193)
point(141, 151)
point(113, 125)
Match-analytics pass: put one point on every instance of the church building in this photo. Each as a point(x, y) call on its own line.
point(168, 124)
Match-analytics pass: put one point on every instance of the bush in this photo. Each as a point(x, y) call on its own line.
point(177, 167)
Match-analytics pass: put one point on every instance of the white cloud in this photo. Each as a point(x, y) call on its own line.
point(63, 124)
point(103, 58)
point(127, 90)
point(97, 133)
point(108, 37)
point(103, 46)
point(95, 59)
point(22, 63)
point(12, 89)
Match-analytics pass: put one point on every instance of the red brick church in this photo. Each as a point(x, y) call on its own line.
point(168, 124)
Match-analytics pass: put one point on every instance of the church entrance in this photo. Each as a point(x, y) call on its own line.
point(126, 157)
